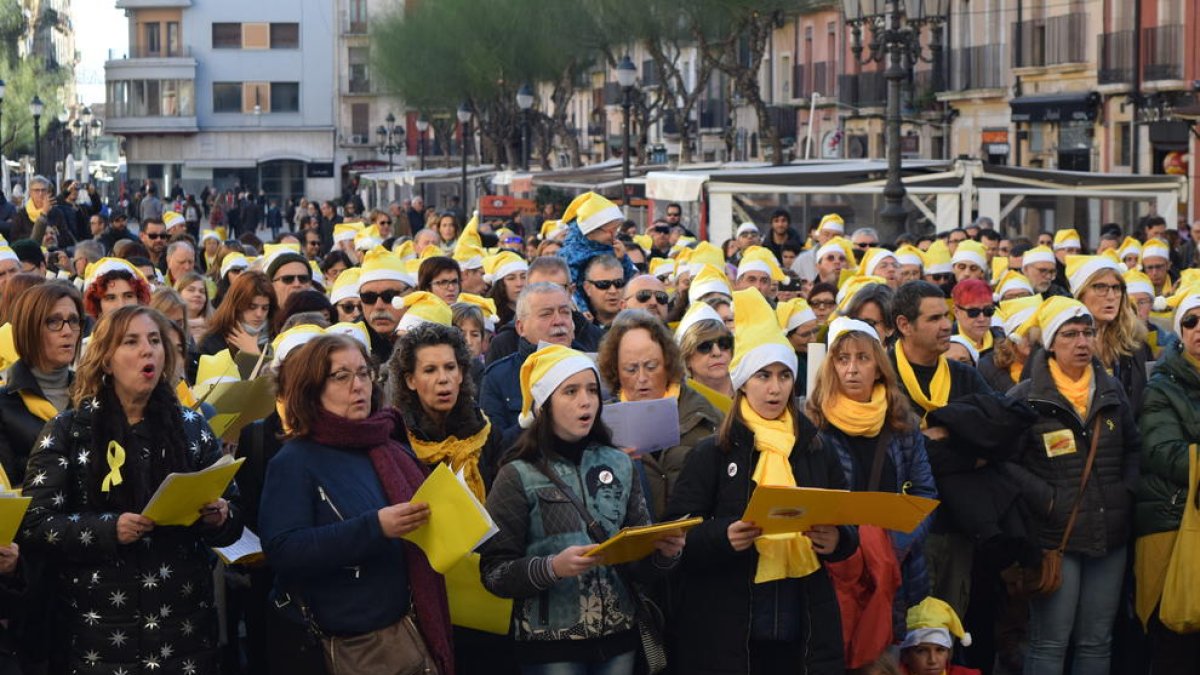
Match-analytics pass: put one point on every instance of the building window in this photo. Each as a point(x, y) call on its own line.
point(227, 97)
point(285, 36)
point(360, 123)
point(285, 97)
point(1124, 151)
point(358, 16)
point(151, 98)
point(360, 79)
point(173, 48)
point(153, 39)
point(227, 36)
point(1036, 141)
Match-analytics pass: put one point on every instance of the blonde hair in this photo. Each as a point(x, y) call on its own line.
point(701, 331)
point(1122, 336)
point(828, 384)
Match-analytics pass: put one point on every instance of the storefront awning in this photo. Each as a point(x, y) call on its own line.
point(1074, 107)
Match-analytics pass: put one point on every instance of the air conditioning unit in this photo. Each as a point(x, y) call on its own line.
point(358, 139)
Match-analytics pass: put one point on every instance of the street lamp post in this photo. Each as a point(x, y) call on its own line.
point(626, 76)
point(1, 117)
point(36, 107)
point(422, 127)
point(896, 28)
point(525, 102)
point(464, 122)
point(391, 138)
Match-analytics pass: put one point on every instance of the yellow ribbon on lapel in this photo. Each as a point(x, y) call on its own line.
point(116, 459)
point(38, 406)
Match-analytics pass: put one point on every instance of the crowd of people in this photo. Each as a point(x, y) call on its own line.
point(1046, 395)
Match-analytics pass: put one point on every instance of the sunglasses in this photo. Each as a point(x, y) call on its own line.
point(349, 307)
point(371, 297)
point(724, 343)
point(659, 296)
point(662, 230)
point(289, 279)
point(156, 235)
point(1189, 322)
point(974, 312)
point(945, 276)
point(605, 284)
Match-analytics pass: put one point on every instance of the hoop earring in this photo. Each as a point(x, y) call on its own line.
point(105, 379)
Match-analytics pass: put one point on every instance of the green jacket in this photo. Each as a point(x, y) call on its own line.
point(1170, 420)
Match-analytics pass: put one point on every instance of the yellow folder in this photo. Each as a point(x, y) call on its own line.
point(635, 543)
point(179, 499)
point(245, 401)
point(12, 512)
point(791, 509)
point(471, 605)
point(457, 524)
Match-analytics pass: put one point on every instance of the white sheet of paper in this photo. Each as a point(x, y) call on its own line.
point(494, 529)
point(249, 544)
point(645, 426)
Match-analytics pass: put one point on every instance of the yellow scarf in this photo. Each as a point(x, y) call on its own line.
point(672, 392)
point(281, 409)
point(32, 211)
point(1014, 371)
point(718, 400)
point(40, 407)
point(184, 393)
point(856, 418)
point(939, 386)
point(459, 454)
point(780, 556)
point(979, 346)
point(1076, 391)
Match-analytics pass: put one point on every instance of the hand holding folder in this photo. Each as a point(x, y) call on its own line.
point(634, 543)
point(458, 522)
point(181, 496)
point(776, 510)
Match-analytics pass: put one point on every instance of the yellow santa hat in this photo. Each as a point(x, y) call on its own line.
point(910, 255)
point(94, 270)
point(709, 280)
point(404, 250)
point(356, 330)
point(1067, 238)
point(423, 307)
point(684, 243)
point(872, 257)
point(747, 227)
point(999, 268)
point(1051, 315)
point(470, 234)
point(1013, 313)
point(1081, 268)
point(662, 267)
point(1156, 248)
point(760, 259)
point(552, 229)
point(205, 235)
point(1038, 254)
point(504, 263)
point(173, 219)
point(485, 305)
point(837, 244)
point(852, 285)
point(290, 339)
point(8, 255)
point(759, 339)
point(932, 621)
point(705, 254)
point(844, 324)
point(794, 313)
point(1129, 247)
point(832, 222)
point(970, 252)
point(468, 256)
point(1011, 281)
point(234, 261)
point(543, 371)
point(591, 211)
point(1136, 281)
point(644, 242)
point(382, 265)
point(368, 238)
point(937, 258)
point(347, 232)
point(345, 286)
point(696, 312)
point(430, 252)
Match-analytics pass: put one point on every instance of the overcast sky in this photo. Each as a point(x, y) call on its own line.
point(99, 28)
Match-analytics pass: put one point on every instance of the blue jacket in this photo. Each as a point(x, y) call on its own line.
point(577, 250)
point(907, 452)
point(500, 391)
point(320, 531)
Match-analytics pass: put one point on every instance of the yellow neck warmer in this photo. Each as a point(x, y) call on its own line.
point(780, 556)
point(459, 454)
point(980, 346)
point(1014, 371)
point(32, 211)
point(1078, 392)
point(40, 407)
point(856, 418)
point(939, 386)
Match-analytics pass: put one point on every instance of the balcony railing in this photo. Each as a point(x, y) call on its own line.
point(1162, 52)
point(811, 78)
point(356, 84)
point(142, 52)
point(1049, 42)
point(864, 90)
point(979, 67)
point(783, 118)
point(1116, 57)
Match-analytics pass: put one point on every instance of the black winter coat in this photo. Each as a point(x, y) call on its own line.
point(713, 618)
point(141, 607)
point(19, 428)
point(1052, 483)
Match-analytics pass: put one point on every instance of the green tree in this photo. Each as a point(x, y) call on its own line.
point(24, 79)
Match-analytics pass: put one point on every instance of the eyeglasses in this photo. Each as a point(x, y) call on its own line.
point(383, 222)
point(822, 304)
point(289, 279)
point(605, 284)
point(864, 245)
point(445, 283)
point(349, 307)
point(313, 242)
point(660, 297)
point(345, 377)
point(806, 334)
point(1189, 322)
point(944, 276)
point(1072, 335)
point(156, 235)
point(371, 297)
point(662, 229)
point(56, 323)
point(1107, 289)
point(724, 343)
point(974, 312)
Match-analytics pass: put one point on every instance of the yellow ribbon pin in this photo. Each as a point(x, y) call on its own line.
point(116, 459)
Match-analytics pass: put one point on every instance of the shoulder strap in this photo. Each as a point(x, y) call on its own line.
point(1083, 481)
point(593, 528)
point(877, 465)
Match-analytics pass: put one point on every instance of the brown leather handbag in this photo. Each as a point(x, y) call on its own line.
point(397, 649)
point(1046, 578)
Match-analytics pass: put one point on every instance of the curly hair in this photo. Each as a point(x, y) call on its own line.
point(634, 319)
point(95, 292)
point(828, 384)
point(404, 362)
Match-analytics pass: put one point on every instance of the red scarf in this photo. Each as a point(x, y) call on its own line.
point(400, 475)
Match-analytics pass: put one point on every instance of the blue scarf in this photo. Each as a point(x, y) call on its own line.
point(578, 250)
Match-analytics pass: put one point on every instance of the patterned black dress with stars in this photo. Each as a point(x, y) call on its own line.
point(145, 607)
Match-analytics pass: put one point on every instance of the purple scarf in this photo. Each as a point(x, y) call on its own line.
point(400, 476)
